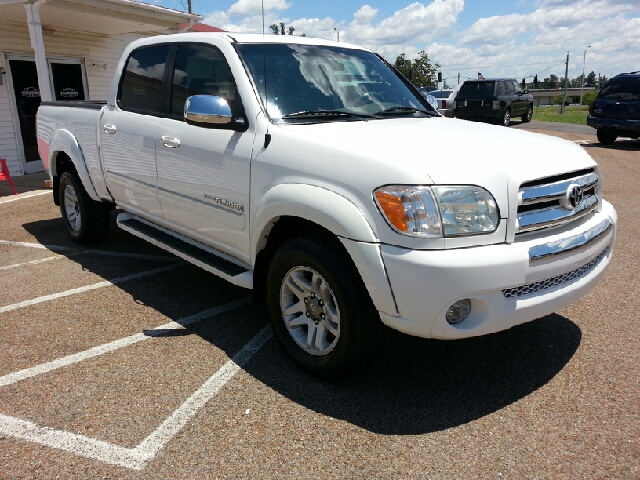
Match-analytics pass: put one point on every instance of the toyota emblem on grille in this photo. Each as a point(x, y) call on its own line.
point(573, 197)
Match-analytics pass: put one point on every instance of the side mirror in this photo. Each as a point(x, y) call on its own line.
point(207, 110)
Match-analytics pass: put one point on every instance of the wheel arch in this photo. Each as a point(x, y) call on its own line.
point(65, 151)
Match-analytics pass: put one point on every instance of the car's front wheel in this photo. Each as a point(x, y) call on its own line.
point(606, 136)
point(320, 311)
point(526, 118)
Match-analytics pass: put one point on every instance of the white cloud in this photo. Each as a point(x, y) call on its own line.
point(254, 7)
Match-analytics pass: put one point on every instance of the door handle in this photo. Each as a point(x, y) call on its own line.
point(111, 129)
point(170, 142)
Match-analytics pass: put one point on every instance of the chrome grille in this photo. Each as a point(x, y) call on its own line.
point(554, 281)
point(549, 201)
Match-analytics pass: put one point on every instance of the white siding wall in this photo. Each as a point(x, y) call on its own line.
point(98, 49)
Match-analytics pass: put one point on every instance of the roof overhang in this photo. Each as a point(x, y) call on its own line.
point(107, 17)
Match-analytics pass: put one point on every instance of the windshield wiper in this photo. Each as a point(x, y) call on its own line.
point(402, 111)
point(325, 113)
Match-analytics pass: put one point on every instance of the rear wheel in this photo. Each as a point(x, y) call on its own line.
point(526, 118)
point(606, 136)
point(506, 118)
point(320, 311)
point(86, 220)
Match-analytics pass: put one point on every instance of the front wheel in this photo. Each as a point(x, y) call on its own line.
point(320, 310)
point(86, 220)
point(606, 136)
point(526, 118)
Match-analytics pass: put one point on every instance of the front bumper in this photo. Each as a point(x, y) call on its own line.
point(506, 284)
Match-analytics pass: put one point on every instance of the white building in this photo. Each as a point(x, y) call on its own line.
point(64, 50)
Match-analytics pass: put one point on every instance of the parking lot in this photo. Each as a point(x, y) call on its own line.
point(119, 360)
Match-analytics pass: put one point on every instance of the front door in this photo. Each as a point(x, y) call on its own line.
point(27, 97)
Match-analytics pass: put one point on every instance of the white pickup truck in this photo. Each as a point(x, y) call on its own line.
point(315, 174)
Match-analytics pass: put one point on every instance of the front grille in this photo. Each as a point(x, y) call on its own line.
point(547, 202)
point(554, 281)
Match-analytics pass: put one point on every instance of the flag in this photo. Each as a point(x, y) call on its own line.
point(480, 76)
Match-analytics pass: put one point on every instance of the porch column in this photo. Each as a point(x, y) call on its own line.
point(37, 43)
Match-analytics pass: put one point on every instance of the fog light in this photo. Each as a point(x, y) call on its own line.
point(458, 311)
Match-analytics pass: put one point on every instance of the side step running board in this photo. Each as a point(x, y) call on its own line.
point(201, 255)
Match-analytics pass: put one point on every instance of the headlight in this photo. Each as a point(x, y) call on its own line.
point(432, 212)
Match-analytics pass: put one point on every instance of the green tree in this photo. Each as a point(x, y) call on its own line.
point(589, 96)
point(281, 29)
point(419, 71)
point(590, 80)
point(550, 82)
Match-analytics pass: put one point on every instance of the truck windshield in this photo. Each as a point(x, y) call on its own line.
point(302, 82)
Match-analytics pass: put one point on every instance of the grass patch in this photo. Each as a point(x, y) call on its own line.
point(550, 114)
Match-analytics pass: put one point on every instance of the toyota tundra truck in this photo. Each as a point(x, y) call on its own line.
point(315, 174)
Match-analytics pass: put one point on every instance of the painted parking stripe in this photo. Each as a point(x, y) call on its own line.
point(24, 196)
point(15, 377)
point(86, 288)
point(59, 248)
point(136, 458)
point(32, 262)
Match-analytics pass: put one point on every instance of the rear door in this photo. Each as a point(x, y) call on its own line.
point(619, 99)
point(128, 132)
point(203, 173)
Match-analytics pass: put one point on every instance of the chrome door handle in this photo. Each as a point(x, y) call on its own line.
point(170, 142)
point(111, 129)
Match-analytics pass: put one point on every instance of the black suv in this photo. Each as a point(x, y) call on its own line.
point(494, 100)
point(615, 111)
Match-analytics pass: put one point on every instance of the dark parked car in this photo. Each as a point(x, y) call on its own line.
point(494, 100)
point(615, 111)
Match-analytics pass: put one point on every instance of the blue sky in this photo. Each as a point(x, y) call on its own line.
point(515, 38)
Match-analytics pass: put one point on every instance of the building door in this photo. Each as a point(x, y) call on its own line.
point(27, 100)
point(67, 76)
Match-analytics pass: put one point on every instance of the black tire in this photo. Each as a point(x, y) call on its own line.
point(526, 118)
point(91, 221)
point(506, 117)
point(343, 292)
point(606, 136)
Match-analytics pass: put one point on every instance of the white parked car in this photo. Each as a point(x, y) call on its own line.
point(446, 100)
point(297, 167)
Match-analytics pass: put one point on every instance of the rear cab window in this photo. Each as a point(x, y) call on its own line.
point(477, 89)
point(141, 86)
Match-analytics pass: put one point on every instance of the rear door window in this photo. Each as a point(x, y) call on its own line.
point(141, 88)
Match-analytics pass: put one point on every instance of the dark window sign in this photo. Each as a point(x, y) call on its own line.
point(67, 81)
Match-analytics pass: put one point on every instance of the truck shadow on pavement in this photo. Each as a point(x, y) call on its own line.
point(624, 145)
point(410, 386)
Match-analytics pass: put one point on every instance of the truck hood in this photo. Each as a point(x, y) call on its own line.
point(442, 150)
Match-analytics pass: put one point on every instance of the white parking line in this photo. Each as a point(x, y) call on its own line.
point(86, 288)
point(115, 345)
point(136, 458)
point(54, 248)
point(23, 196)
point(32, 262)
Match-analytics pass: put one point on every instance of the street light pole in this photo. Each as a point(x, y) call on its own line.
point(584, 57)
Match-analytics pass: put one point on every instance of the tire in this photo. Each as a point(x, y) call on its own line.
point(506, 118)
point(606, 136)
point(87, 221)
point(320, 310)
point(526, 118)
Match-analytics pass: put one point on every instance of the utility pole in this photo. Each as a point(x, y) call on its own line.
point(189, 6)
point(584, 57)
point(335, 29)
point(566, 85)
point(458, 78)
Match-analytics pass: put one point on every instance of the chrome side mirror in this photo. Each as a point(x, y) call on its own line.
point(207, 109)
